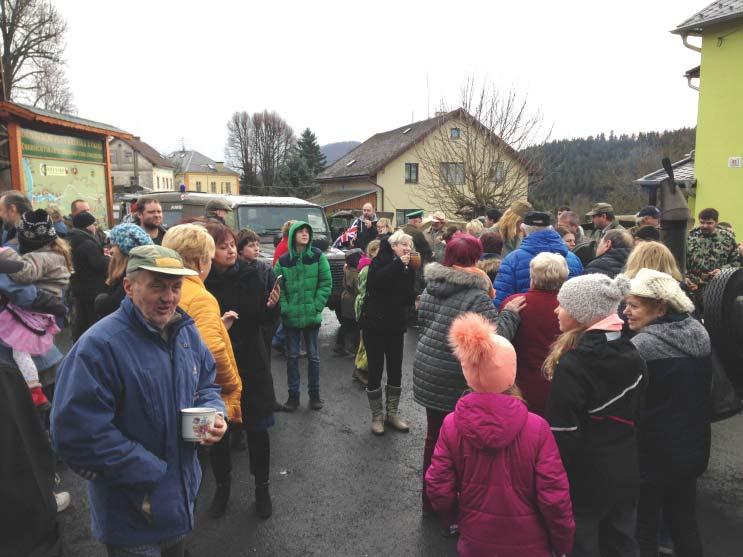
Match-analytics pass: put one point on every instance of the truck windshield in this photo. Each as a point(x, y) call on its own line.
point(264, 219)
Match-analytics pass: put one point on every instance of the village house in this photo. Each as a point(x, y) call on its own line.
point(199, 173)
point(137, 166)
point(718, 157)
point(402, 169)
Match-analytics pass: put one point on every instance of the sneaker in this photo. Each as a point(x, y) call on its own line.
point(292, 403)
point(63, 500)
point(40, 401)
point(664, 549)
point(316, 403)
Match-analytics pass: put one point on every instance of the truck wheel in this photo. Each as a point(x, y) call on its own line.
point(719, 296)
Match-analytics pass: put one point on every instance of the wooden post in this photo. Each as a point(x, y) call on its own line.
point(15, 155)
point(109, 183)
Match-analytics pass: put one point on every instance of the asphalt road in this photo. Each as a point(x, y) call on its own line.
point(338, 490)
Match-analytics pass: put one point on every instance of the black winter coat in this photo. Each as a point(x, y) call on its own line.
point(390, 292)
point(109, 300)
point(675, 430)
point(610, 264)
point(593, 408)
point(91, 266)
point(245, 288)
point(26, 473)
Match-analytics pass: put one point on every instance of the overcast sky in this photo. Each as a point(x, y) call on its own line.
point(170, 70)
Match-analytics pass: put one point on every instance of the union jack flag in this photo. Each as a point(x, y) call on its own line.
point(349, 235)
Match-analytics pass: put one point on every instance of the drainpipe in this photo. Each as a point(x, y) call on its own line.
point(689, 83)
point(380, 189)
point(687, 44)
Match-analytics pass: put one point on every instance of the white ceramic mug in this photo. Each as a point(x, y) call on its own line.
point(195, 423)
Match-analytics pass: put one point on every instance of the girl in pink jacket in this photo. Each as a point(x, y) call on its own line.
point(496, 470)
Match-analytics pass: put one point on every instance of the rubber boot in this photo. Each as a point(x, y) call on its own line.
point(316, 403)
point(377, 412)
point(292, 403)
point(218, 508)
point(263, 504)
point(393, 402)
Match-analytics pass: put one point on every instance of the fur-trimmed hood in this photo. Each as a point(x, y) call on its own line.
point(442, 282)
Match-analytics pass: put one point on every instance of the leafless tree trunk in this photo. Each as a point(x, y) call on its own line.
point(51, 90)
point(273, 140)
point(240, 148)
point(32, 33)
point(478, 167)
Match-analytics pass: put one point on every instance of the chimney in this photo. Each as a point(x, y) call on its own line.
point(219, 165)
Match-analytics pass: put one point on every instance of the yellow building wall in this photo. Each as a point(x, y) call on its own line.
point(203, 182)
point(720, 125)
point(398, 195)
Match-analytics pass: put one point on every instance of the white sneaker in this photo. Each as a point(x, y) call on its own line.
point(63, 500)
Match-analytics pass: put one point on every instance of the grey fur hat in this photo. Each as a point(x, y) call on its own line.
point(591, 298)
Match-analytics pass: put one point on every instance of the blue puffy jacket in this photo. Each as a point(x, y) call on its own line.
point(513, 275)
point(116, 413)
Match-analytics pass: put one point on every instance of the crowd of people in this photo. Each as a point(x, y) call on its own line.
point(567, 399)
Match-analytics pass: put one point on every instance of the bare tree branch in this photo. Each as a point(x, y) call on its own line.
point(478, 167)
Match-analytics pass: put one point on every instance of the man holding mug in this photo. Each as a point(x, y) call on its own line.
point(117, 421)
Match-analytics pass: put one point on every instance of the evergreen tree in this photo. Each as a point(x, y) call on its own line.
point(309, 151)
point(296, 178)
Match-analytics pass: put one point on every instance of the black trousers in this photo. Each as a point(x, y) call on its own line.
point(678, 499)
point(348, 328)
point(606, 532)
point(381, 345)
point(259, 451)
point(85, 315)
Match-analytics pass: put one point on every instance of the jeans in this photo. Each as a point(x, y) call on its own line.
point(608, 532)
point(678, 499)
point(434, 420)
point(168, 549)
point(293, 340)
point(279, 337)
point(378, 346)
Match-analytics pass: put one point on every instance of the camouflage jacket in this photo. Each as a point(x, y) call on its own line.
point(598, 234)
point(705, 253)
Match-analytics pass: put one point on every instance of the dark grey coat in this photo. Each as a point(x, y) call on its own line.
point(438, 381)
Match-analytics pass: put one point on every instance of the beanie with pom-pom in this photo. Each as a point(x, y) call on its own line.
point(488, 360)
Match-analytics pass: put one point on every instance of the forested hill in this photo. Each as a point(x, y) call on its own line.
point(579, 172)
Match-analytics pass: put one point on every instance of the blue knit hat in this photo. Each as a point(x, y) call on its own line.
point(128, 236)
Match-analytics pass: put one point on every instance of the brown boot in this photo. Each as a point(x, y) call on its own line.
point(377, 412)
point(393, 401)
point(361, 375)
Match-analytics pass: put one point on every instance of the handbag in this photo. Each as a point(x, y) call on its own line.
point(724, 401)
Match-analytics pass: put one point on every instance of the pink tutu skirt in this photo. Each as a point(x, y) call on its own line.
point(27, 331)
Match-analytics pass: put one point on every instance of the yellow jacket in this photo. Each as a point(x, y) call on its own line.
point(203, 308)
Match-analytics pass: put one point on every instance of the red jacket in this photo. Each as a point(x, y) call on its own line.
point(280, 250)
point(536, 333)
point(498, 465)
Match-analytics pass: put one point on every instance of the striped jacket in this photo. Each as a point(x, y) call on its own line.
point(593, 408)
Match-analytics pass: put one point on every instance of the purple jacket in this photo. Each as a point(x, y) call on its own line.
point(498, 465)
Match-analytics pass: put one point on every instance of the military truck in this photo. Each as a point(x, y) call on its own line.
point(265, 216)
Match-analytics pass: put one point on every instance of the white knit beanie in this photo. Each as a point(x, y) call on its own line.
point(591, 298)
point(649, 283)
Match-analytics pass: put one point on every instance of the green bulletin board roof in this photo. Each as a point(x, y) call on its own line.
point(82, 124)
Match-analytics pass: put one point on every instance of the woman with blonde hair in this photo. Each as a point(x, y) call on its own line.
point(598, 380)
point(652, 255)
point(474, 228)
point(384, 226)
point(509, 225)
point(196, 247)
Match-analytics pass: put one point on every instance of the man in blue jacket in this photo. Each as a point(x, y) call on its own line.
point(116, 415)
point(513, 276)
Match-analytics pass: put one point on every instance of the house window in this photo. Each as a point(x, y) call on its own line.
point(112, 157)
point(452, 173)
point(454, 133)
point(411, 172)
point(400, 217)
point(214, 187)
point(198, 185)
point(132, 180)
point(158, 182)
point(498, 172)
point(228, 188)
point(128, 156)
